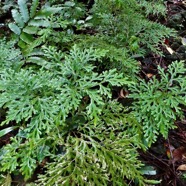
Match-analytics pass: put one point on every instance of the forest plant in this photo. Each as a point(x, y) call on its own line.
point(57, 89)
point(42, 107)
point(27, 23)
point(158, 102)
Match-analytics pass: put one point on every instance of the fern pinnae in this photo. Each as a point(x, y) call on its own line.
point(33, 8)
point(24, 10)
point(14, 28)
point(18, 18)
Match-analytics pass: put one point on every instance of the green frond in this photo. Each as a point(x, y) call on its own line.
point(14, 28)
point(158, 101)
point(18, 18)
point(59, 87)
point(23, 10)
point(33, 8)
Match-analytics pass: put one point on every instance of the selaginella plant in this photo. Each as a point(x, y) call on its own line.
point(56, 88)
point(158, 102)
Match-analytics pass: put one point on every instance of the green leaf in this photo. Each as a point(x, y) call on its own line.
point(39, 23)
point(22, 44)
point(18, 18)
point(30, 30)
point(23, 9)
point(47, 12)
point(14, 28)
point(6, 130)
point(33, 8)
point(69, 3)
point(27, 38)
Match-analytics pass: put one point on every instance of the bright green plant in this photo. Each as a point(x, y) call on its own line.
point(158, 102)
point(56, 88)
point(42, 107)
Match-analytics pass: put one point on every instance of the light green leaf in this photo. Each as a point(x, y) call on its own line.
point(17, 18)
point(33, 8)
point(47, 12)
point(6, 130)
point(30, 30)
point(14, 28)
point(39, 23)
point(69, 3)
point(24, 10)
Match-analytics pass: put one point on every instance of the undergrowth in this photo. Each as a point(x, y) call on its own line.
point(57, 75)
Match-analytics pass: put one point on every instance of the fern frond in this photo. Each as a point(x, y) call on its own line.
point(33, 8)
point(23, 10)
point(18, 18)
point(157, 108)
point(14, 28)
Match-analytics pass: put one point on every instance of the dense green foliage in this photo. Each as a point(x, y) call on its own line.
point(158, 102)
point(57, 75)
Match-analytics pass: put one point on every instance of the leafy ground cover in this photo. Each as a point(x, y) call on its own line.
point(92, 92)
point(167, 156)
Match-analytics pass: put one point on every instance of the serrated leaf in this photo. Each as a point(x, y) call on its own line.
point(18, 18)
point(33, 8)
point(39, 23)
point(7, 130)
point(47, 12)
point(24, 10)
point(14, 28)
point(30, 30)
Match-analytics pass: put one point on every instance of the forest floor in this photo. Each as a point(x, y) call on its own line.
point(167, 157)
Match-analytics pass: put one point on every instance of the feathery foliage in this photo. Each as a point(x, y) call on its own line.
point(158, 102)
point(56, 83)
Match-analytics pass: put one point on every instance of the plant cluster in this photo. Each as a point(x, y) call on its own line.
point(57, 75)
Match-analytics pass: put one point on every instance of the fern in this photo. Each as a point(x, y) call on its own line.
point(158, 102)
point(57, 90)
point(27, 23)
point(154, 7)
point(7, 57)
point(40, 106)
point(97, 159)
point(122, 20)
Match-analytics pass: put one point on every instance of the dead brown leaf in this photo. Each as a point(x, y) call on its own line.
point(182, 167)
point(149, 75)
point(179, 153)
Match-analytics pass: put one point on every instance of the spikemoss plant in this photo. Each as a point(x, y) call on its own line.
point(56, 83)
